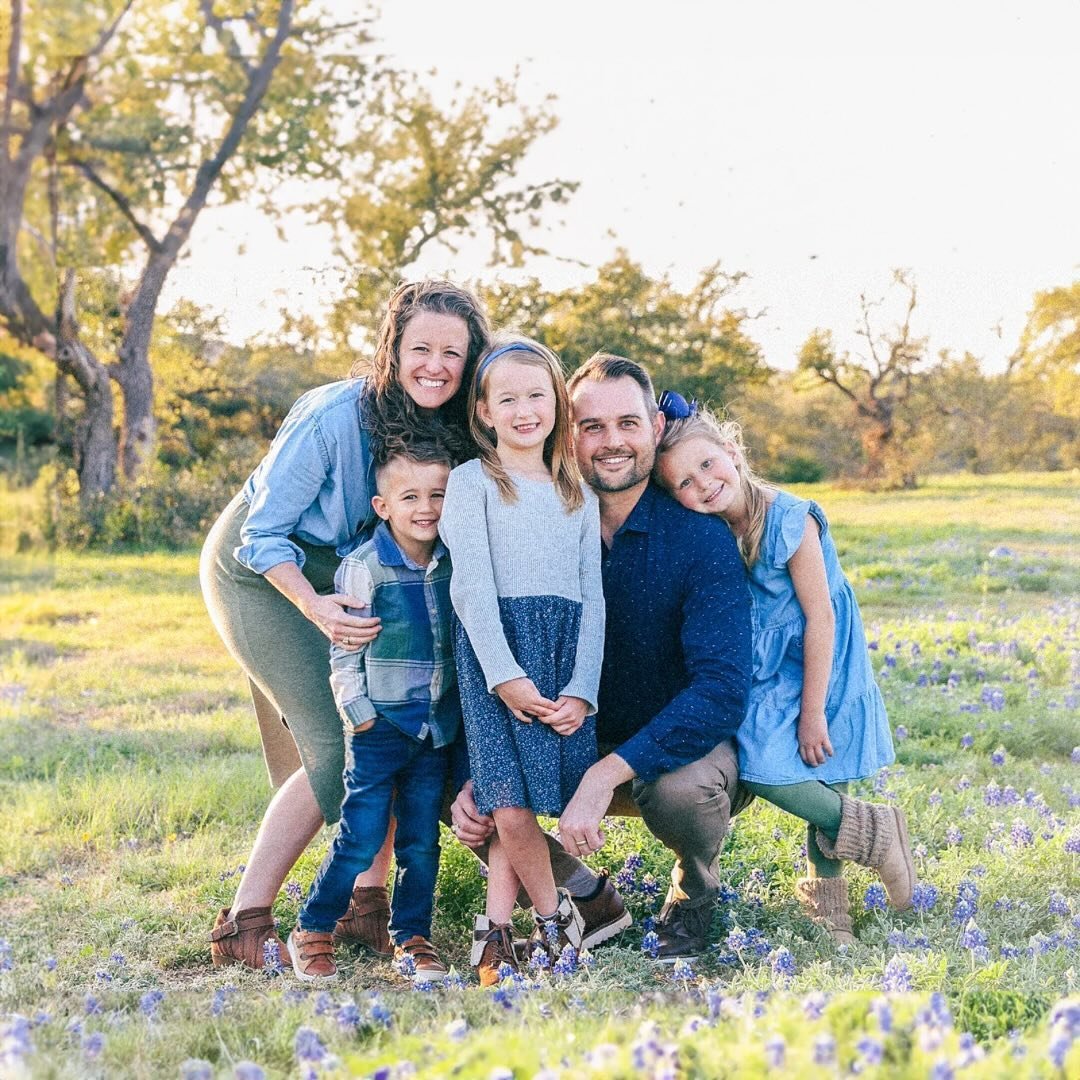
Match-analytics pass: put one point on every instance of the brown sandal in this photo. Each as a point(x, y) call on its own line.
point(243, 939)
point(367, 920)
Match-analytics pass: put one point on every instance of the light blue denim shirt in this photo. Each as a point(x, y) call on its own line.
point(315, 482)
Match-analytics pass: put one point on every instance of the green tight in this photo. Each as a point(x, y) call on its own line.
point(818, 805)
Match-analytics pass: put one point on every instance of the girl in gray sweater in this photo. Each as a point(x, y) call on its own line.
point(524, 534)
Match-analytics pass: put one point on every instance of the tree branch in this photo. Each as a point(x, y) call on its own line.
point(226, 37)
point(121, 202)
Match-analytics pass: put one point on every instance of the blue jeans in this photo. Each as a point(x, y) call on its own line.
point(384, 768)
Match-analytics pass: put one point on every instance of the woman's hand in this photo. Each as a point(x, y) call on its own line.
point(522, 698)
point(568, 716)
point(350, 632)
point(814, 745)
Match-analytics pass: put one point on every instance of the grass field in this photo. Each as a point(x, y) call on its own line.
point(131, 785)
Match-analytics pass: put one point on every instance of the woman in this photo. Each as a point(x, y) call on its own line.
point(267, 573)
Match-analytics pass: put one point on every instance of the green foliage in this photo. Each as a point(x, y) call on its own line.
point(693, 341)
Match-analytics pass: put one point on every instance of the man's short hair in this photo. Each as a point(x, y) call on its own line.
point(419, 453)
point(602, 366)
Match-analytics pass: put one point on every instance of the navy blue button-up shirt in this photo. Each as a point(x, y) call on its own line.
point(677, 657)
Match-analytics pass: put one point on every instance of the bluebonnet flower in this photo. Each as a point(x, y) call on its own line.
point(775, 1051)
point(782, 962)
point(149, 1002)
point(923, 897)
point(881, 1011)
point(457, 1029)
point(248, 1070)
point(348, 1016)
point(871, 1053)
point(221, 999)
point(380, 1014)
point(1058, 904)
point(294, 891)
point(15, 1044)
point(737, 939)
point(93, 1044)
point(539, 960)
point(683, 971)
point(650, 944)
point(49, 963)
point(935, 798)
point(973, 937)
point(567, 963)
point(998, 756)
point(900, 732)
point(1074, 757)
point(953, 836)
point(196, 1069)
point(941, 1070)
point(307, 1046)
point(825, 1050)
point(649, 886)
point(727, 894)
point(633, 862)
point(896, 977)
point(271, 957)
point(813, 1005)
point(874, 899)
point(966, 902)
point(994, 699)
point(405, 965)
point(91, 1005)
point(117, 959)
point(963, 784)
point(7, 961)
point(103, 976)
point(1021, 834)
point(1064, 1029)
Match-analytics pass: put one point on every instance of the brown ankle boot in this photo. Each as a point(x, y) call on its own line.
point(242, 939)
point(875, 835)
point(367, 920)
point(825, 901)
point(492, 949)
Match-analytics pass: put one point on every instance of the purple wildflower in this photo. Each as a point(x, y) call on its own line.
point(973, 937)
point(923, 897)
point(149, 1002)
point(650, 944)
point(953, 836)
point(93, 1044)
point(248, 1070)
point(998, 756)
point(348, 1016)
point(813, 1005)
point(896, 977)
point(1058, 904)
point(307, 1046)
point(874, 899)
point(782, 962)
point(881, 1011)
point(1021, 834)
point(825, 1050)
point(775, 1051)
point(196, 1069)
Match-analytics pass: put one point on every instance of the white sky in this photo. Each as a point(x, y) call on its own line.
point(937, 136)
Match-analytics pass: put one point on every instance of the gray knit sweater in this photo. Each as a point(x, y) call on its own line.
point(531, 547)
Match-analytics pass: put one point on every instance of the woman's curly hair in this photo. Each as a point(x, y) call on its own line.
point(390, 415)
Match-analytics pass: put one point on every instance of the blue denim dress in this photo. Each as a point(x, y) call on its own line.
point(858, 726)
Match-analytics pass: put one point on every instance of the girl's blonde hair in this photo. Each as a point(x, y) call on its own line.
point(727, 435)
point(558, 447)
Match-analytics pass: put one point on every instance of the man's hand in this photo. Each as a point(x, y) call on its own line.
point(568, 716)
point(814, 745)
point(579, 826)
point(470, 826)
point(522, 698)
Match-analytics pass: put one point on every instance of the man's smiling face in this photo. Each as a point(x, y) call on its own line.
point(614, 437)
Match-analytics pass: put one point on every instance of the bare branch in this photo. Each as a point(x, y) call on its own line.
point(120, 200)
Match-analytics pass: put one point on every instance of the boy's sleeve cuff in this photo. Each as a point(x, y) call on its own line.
point(356, 712)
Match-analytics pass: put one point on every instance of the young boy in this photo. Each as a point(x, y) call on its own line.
point(399, 703)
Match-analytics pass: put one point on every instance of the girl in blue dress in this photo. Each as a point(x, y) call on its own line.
point(524, 534)
point(816, 719)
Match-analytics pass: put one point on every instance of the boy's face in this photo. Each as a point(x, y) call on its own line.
point(411, 499)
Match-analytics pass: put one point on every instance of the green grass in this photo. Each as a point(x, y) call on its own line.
point(131, 784)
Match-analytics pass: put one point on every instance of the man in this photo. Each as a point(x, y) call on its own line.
point(676, 671)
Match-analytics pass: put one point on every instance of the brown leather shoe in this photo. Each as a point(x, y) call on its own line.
point(418, 961)
point(605, 915)
point(493, 946)
point(243, 939)
point(683, 930)
point(312, 955)
point(366, 921)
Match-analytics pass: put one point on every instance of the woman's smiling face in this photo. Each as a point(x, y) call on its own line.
point(700, 474)
point(431, 358)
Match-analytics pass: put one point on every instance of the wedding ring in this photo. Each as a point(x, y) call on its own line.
point(583, 843)
point(346, 641)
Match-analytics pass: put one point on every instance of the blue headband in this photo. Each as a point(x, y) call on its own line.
point(502, 350)
point(675, 407)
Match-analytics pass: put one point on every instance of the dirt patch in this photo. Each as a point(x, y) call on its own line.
point(38, 653)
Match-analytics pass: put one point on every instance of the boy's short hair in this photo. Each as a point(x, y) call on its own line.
point(602, 366)
point(421, 453)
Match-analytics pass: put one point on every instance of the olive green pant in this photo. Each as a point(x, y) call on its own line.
point(818, 805)
point(285, 656)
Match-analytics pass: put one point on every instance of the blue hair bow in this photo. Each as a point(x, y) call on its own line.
point(675, 407)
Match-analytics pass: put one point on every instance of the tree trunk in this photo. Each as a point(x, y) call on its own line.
point(95, 440)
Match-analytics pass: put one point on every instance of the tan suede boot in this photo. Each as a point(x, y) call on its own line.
point(825, 901)
point(366, 921)
point(875, 835)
